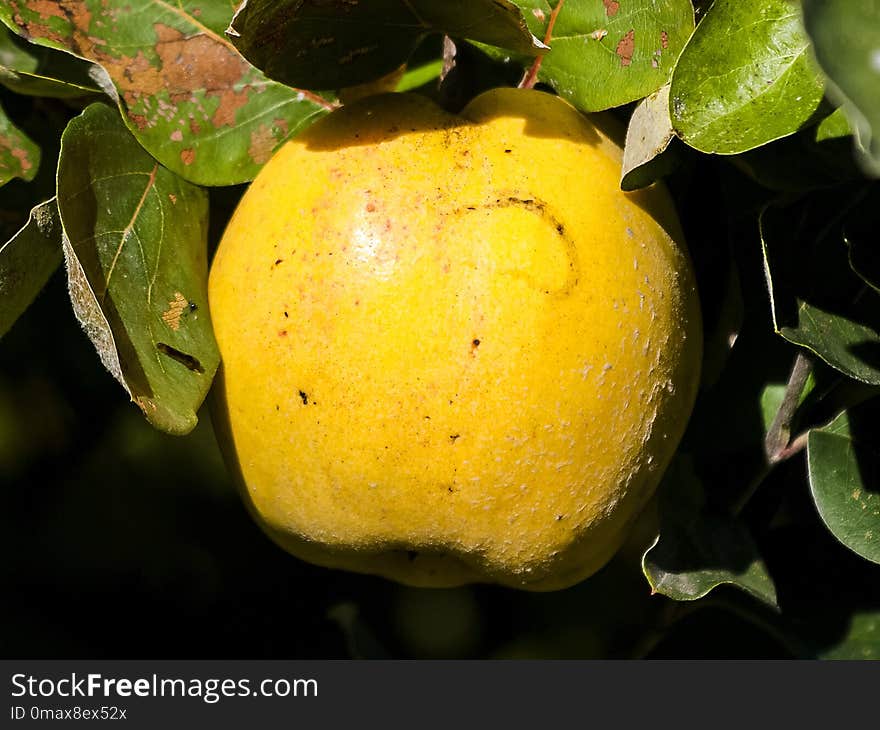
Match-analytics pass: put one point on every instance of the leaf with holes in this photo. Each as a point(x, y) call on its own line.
point(745, 78)
point(40, 71)
point(604, 53)
point(19, 156)
point(817, 300)
point(329, 45)
point(27, 260)
point(191, 100)
point(846, 41)
point(844, 470)
point(698, 549)
point(136, 252)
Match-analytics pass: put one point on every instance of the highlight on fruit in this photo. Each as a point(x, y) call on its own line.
point(453, 350)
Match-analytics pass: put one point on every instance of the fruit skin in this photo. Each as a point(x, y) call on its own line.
point(453, 350)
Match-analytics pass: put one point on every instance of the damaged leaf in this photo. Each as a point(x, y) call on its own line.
point(27, 260)
point(188, 96)
point(329, 45)
point(19, 156)
point(604, 54)
point(745, 78)
point(42, 71)
point(135, 247)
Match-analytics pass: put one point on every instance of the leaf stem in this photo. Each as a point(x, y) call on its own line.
point(531, 77)
point(778, 444)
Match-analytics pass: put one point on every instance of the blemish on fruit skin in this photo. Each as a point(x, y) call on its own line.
point(282, 333)
point(304, 397)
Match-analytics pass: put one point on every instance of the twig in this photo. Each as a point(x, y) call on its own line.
point(778, 444)
point(528, 81)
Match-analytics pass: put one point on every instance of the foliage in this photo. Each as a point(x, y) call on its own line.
point(122, 126)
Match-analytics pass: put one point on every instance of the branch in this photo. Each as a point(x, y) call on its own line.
point(528, 81)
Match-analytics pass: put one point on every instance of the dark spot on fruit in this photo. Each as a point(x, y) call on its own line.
point(508, 151)
point(277, 261)
point(454, 437)
point(286, 314)
point(475, 342)
point(304, 397)
point(560, 517)
point(282, 333)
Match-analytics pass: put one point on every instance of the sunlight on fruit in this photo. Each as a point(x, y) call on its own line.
point(453, 351)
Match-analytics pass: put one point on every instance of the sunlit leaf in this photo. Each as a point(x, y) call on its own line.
point(646, 154)
point(604, 53)
point(745, 78)
point(136, 252)
point(188, 96)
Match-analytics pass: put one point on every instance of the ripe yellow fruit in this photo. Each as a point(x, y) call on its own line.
point(453, 350)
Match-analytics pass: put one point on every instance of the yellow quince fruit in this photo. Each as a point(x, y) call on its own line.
point(453, 350)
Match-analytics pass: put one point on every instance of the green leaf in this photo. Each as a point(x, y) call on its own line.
point(332, 45)
point(19, 156)
point(420, 75)
point(27, 260)
point(745, 78)
point(861, 640)
point(817, 300)
point(646, 154)
point(699, 549)
point(844, 472)
point(135, 247)
point(846, 41)
point(813, 158)
point(605, 53)
point(834, 126)
point(191, 100)
point(41, 71)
